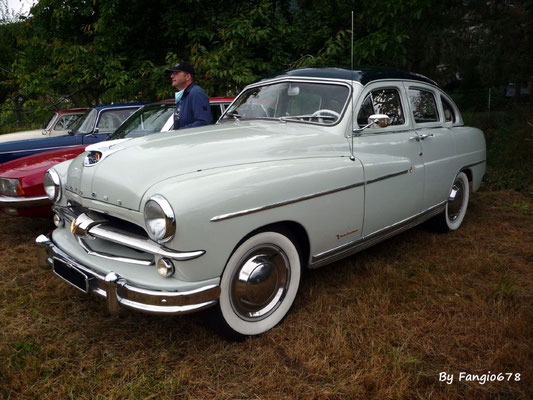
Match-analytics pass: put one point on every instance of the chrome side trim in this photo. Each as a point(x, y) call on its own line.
point(22, 202)
point(283, 203)
point(223, 217)
point(119, 292)
point(42, 149)
point(473, 165)
point(382, 178)
point(335, 254)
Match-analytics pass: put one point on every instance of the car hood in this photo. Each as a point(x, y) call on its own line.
point(38, 163)
point(128, 169)
point(22, 135)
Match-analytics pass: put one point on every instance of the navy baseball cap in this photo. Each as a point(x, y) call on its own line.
point(182, 66)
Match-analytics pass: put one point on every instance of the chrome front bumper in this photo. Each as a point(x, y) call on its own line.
point(24, 202)
point(117, 290)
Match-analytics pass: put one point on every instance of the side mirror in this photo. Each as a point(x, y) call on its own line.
point(71, 132)
point(96, 130)
point(381, 120)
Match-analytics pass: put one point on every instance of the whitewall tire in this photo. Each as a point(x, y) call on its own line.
point(455, 211)
point(258, 285)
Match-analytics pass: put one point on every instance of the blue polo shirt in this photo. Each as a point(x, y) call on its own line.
point(193, 109)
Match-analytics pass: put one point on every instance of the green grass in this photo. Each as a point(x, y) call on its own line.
point(380, 325)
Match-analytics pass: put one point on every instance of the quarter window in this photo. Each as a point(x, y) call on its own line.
point(449, 114)
point(382, 101)
point(423, 105)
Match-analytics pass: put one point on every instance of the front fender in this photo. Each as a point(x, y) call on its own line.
point(215, 209)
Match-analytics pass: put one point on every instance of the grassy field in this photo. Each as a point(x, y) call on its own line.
point(383, 324)
point(380, 325)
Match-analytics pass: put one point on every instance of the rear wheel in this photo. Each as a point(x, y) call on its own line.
point(452, 217)
point(258, 285)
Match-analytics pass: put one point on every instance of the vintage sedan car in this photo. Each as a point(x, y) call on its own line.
point(302, 170)
point(94, 126)
point(58, 125)
point(21, 180)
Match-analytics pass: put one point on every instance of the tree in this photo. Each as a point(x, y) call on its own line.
point(90, 51)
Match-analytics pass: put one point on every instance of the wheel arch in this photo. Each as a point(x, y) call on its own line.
point(468, 172)
point(295, 230)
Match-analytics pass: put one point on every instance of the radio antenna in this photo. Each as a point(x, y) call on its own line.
point(352, 157)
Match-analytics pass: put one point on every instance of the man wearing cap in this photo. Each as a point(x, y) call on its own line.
point(192, 104)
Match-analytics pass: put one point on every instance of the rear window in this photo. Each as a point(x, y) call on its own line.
point(423, 106)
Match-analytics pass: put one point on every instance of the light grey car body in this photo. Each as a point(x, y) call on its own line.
point(337, 188)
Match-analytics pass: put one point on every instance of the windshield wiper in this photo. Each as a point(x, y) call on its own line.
point(234, 115)
point(307, 117)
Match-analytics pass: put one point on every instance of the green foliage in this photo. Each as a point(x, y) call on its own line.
point(83, 52)
point(509, 137)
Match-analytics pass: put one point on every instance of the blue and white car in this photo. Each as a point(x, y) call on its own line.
point(94, 126)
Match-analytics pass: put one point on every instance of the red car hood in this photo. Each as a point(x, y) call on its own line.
point(30, 170)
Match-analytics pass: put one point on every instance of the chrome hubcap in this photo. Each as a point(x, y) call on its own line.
point(455, 200)
point(260, 282)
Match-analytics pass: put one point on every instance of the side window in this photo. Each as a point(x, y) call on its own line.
point(111, 119)
point(382, 101)
point(449, 114)
point(216, 112)
point(65, 121)
point(423, 105)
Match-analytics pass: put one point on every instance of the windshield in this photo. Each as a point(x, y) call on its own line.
point(85, 123)
point(48, 125)
point(149, 119)
point(315, 103)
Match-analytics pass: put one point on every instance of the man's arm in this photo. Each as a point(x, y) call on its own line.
point(201, 110)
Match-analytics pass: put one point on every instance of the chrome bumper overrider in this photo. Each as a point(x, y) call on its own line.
point(24, 202)
point(119, 292)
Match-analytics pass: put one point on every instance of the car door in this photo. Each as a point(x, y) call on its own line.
point(438, 149)
point(394, 172)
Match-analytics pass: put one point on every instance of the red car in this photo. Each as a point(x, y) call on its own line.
point(21, 180)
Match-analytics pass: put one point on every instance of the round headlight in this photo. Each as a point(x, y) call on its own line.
point(52, 185)
point(159, 219)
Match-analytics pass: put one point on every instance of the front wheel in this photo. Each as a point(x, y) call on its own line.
point(258, 286)
point(452, 217)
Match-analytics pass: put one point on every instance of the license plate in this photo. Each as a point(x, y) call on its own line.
point(72, 275)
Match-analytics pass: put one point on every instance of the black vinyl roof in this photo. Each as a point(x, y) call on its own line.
point(363, 75)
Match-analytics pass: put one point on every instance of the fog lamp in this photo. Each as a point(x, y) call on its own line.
point(165, 267)
point(58, 221)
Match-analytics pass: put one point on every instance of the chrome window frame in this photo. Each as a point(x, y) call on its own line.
point(320, 81)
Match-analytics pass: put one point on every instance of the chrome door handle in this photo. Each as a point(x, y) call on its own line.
point(417, 138)
point(422, 137)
